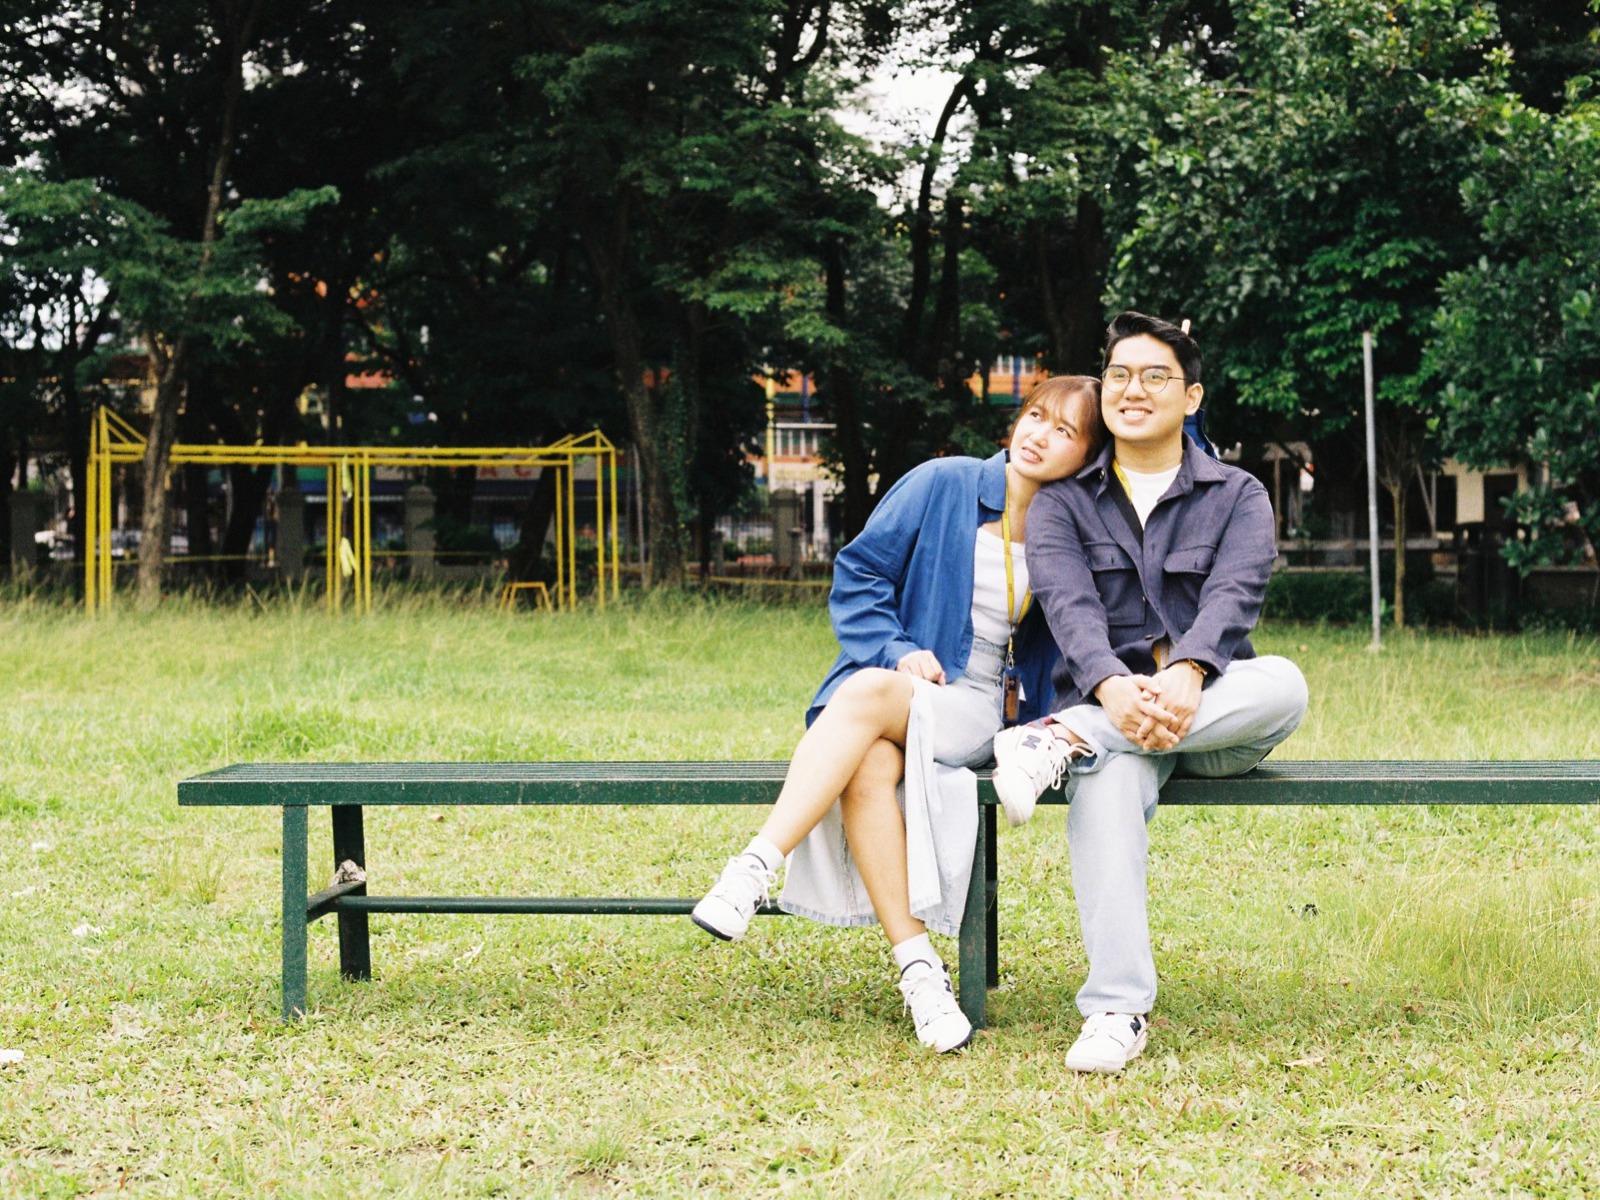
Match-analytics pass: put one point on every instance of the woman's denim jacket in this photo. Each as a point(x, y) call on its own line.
point(905, 583)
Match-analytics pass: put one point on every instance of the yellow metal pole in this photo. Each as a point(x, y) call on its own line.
point(572, 527)
point(103, 595)
point(599, 530)
point(357, 590)
point(616, 520)
point(366, 533)
point(358, 531)
point(91, 511)
point(335, 507)
point(561, 541)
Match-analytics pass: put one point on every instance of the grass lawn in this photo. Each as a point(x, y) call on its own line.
point(1362, 1002)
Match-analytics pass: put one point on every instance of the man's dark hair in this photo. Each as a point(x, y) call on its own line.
point(1133, 324)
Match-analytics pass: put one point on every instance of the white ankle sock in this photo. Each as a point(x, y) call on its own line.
point(771, 857)
point(912, 949)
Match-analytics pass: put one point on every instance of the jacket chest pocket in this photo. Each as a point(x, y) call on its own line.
point(1116, 578)
point(1184, 573)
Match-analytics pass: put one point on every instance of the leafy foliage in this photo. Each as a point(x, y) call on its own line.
point(535, 216)
point(1519, 331)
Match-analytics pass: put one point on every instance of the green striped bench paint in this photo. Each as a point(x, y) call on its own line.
point(347, 789)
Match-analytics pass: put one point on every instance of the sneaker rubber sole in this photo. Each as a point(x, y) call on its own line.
point(712, 929)
point(1091, 1064)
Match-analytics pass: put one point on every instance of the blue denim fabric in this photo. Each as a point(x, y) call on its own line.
point(1196, 580)
point(905, 582)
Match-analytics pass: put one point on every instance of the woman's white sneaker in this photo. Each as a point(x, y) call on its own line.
point(931, 1001)
point(1109, 1042)
point(743, 887)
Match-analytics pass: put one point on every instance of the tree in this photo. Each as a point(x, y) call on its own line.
point(56, 310)
point(1518, 335)
point(180, 298)
point(143, 104)
point(1309, 194)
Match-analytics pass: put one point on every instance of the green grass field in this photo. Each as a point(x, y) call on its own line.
point(1360, 1002)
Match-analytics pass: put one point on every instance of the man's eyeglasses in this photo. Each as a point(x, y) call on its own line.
point(1153, 379)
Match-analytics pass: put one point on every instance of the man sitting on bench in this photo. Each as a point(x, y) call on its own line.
point(1150, 565)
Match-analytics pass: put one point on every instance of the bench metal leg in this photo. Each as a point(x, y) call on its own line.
point(349, 845)
point(991, 888)
point(294, 911)
point(973, 978)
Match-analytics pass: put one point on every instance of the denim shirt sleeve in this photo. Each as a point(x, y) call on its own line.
point(1232, 595)
point(869, 572)
point(1063, 585)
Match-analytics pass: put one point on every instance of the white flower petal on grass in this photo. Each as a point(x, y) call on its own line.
point(41, 847)
point(87, 930)
point(27, 891)
point(10, 1056)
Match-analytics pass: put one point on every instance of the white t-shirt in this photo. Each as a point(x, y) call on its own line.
point(989, 587)
point(1146, 489)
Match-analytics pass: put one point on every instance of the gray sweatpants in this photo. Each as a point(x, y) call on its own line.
point(1254, 705)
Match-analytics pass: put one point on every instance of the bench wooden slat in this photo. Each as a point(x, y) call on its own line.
point(1378, 782)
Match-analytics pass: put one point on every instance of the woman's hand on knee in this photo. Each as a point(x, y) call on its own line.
point(923, 664)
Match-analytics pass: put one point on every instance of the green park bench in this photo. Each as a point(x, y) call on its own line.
point(348, 789)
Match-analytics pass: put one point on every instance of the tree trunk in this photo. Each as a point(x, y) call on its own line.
point(153, 522)
point(8, 467)
point(197, 507)
point(172, 363)
point(527, 556)
point(944, 339)
point(853, 459)
point(685, 398)
point(1402, 452)
point(606, 246)
point(911, 335)
point(249, 495)
point(1397, 494)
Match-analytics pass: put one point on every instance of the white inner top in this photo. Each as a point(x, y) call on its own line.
point(989, 587)
point(1146, 489)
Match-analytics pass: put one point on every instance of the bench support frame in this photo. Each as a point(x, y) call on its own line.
point(350, 902)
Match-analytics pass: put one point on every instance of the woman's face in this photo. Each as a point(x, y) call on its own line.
point(1050, 442)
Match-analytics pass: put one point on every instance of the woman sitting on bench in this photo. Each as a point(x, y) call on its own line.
point(939, 651)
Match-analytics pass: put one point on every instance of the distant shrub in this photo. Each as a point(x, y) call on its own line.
point(1344, 595)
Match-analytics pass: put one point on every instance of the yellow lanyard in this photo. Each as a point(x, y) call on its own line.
point(1011, 586)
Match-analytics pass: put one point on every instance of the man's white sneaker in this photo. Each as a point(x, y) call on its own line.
point(1028, 762)
point(1109, 1042)
point(726, 910)
point(932, 1003)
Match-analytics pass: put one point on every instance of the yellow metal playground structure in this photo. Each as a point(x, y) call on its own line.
point(113, 442)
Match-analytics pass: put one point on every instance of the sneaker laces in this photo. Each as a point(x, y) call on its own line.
point(929, 988)
point(1059, 755)
point(746, 883)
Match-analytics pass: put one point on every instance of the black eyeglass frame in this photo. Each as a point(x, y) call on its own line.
point(1143, 382)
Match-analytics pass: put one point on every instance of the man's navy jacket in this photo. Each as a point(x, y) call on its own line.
point(1191, 581)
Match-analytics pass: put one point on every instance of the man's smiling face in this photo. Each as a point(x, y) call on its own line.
point(1138, 413)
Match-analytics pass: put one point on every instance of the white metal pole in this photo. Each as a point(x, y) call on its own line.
point(1372, 488)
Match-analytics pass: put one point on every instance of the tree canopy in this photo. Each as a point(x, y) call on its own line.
point(539, 215)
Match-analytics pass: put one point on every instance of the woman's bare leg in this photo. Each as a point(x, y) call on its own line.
point(871, 706)
point(876, 832)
